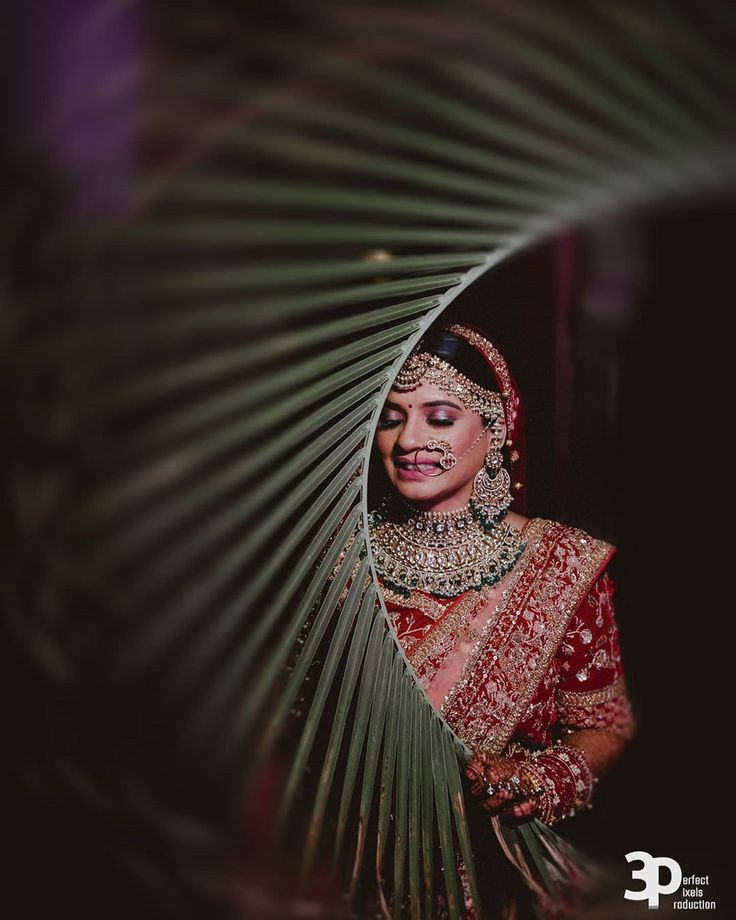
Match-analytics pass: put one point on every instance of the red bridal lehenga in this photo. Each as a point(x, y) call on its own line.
point(512, 635)
point(517, 668)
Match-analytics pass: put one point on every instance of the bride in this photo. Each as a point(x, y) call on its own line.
point(507, 621)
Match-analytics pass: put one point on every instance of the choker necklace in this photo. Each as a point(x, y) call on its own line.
point(443, 553)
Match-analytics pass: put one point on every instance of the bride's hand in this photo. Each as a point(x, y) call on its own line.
point(501, 782)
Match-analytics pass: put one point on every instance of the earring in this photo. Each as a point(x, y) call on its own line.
point(491, 496)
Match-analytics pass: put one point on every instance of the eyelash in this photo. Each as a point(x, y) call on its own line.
point(434, 422)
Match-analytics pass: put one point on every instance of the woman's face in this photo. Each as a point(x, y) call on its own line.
point(408, 421)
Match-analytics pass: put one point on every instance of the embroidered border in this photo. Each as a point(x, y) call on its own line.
point(540, 583)
point(574, 699)
point(533, 533)
point(592, 565)
point(432, 644)
point(607, 707)
point(430, 606)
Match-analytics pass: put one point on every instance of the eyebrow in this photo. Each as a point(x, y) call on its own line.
point(427, 405)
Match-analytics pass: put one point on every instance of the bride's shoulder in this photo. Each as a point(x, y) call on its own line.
point(568, 537)
point(517, 521)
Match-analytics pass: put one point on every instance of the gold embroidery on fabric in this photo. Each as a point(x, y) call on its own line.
point(416, 601)
point(435, 640)
point(542, 603)
point(591, 566)
point(572, 699)
point(532, 534)
point(608, 707)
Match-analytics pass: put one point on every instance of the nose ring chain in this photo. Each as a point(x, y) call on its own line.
point(448, 460)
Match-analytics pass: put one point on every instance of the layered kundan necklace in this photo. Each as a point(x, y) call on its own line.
point(442, 553)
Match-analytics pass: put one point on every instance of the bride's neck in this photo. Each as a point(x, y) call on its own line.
point(445, 504)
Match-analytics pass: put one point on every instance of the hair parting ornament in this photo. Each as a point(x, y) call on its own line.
point(421, 366)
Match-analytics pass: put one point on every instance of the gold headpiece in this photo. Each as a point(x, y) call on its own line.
point(492, 355)
point(420, 365)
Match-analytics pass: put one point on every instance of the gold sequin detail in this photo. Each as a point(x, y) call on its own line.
point(495, 359)
point(416, 601)
point(422, 367)
point(533, 532)
point(608, 707)
point(445, 631)
point(550, 599)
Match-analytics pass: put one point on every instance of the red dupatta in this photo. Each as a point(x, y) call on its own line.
point(510, 661)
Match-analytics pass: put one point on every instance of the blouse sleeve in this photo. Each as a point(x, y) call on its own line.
point(591, 691)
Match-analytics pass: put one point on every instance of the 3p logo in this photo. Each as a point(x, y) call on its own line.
point(650, 875)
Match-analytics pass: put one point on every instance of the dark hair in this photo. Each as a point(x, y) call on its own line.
point(460, 354)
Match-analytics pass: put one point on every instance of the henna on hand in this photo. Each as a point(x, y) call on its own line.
point(505, 790)
point(528, 807)
point(552, 783)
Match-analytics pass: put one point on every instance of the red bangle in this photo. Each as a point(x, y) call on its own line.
point(566, 780)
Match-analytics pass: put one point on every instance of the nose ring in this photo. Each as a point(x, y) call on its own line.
point(448, 459)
